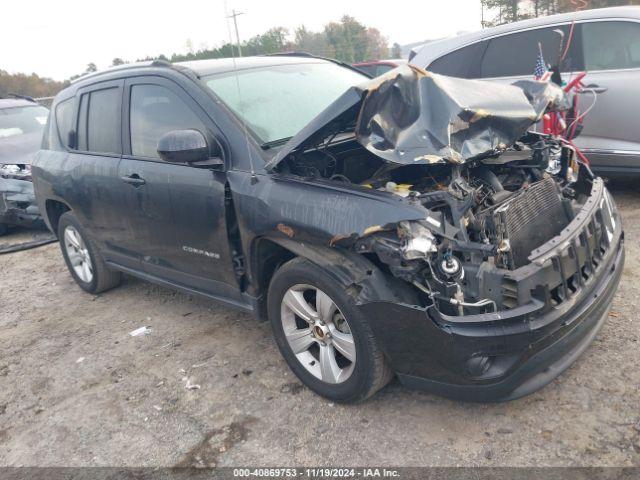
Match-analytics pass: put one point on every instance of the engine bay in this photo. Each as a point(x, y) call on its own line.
point(485, 214)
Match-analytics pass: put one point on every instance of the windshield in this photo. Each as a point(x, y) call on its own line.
point(276, 102)
point(21, 120)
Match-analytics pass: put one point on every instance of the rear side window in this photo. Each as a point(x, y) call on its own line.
point(99, 121)
point(462, 63)
point(64, 118)
point(611, 45)
point(516, 54)
point(154, 111)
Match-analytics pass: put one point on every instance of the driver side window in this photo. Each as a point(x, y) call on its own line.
point(154, 111)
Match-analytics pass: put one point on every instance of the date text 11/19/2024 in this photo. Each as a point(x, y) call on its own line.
point(320, 472)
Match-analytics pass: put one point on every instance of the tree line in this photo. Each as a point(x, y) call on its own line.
point(507, 11)
point(347, 40)
point(32, 85)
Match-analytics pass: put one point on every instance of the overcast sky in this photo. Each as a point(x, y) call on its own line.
point(57, 38)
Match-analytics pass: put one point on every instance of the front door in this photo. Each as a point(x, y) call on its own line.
point(176, 210)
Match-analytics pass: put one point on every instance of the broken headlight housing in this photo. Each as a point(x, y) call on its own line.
point(418, 241)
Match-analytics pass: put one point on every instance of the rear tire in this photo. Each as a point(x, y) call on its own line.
point(83, 258)
point(337, 326)
point(4, 228)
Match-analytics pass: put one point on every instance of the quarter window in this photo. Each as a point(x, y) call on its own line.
point(611, 45)
point(515, 55)
point(156, 110)
point(99, 121)
point(64, 118)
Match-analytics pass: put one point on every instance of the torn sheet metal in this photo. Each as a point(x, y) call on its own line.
point(544, 96)
point(18, 204)
point(410, 116)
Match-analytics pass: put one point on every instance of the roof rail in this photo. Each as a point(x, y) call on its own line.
point(294, 53)
point(124, 66)
point(161, 63)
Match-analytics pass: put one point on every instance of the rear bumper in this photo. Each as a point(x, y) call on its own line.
point(510, 353)
point(18, 204)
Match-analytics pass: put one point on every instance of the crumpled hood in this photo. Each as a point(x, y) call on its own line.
point(411, 116)
point(20, 148)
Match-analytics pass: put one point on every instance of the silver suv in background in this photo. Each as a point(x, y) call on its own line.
point(604, 42)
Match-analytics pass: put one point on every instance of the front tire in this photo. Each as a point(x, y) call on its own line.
point(83, 258)
point(323, 336)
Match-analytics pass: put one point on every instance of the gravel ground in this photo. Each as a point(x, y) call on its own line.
point(77, 390)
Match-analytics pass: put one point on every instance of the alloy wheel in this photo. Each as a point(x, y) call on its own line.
point(78, 254)
point(318, 333)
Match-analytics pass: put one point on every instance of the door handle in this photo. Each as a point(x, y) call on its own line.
point(134, 180)
point(592, 87)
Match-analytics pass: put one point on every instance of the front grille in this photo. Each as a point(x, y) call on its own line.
point(572, 260)
point(584, 256)
point(509, 293)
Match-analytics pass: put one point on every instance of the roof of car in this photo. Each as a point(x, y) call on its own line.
point(432, 50)
point(15, 102)
point(212, 66)
point(221, 65)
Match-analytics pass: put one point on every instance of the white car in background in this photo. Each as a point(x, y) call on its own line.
point(603, 42)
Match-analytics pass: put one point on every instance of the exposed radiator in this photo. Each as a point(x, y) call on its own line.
point(529, 219)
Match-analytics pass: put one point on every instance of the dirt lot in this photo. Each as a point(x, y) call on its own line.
point(76, 389)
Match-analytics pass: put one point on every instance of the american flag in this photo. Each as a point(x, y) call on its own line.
point(541, 67)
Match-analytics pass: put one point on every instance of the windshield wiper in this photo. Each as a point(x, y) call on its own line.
point(275, 143)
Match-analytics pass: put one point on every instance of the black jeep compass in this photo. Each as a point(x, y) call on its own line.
point(409, 225)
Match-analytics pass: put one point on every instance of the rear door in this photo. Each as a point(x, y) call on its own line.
point(176, 210)
point(611, 137)
point(92, 186)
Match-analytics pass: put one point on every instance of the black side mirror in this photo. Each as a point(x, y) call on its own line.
point(188, 146)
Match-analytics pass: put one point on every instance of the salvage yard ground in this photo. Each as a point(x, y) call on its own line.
point(77, 389)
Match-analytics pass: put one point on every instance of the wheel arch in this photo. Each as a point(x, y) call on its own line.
point(54, 209)
point(365, 281)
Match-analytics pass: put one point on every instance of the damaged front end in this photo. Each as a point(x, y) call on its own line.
point(18, 204)
point(484, 244)
point(519, 248)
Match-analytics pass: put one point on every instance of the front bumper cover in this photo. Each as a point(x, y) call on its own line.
point(18, 204)
point(521, 349)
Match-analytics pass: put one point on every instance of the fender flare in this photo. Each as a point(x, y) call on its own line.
point(364, 281)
